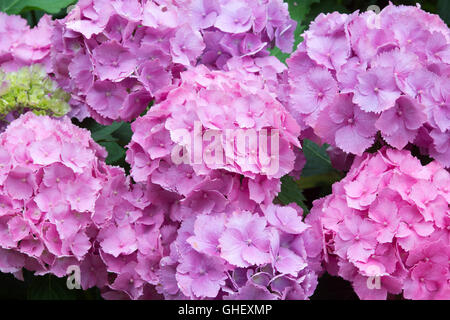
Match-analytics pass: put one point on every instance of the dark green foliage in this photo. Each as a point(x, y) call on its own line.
point(291, 193)
point(46, 287)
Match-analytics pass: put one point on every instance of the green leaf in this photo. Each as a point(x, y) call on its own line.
point(123, 134)
point(113, 137)
point(100, 133)
point(4, 4)
point(318, 171)
point(299, 9)
point(317, 159)
point(291, 193)
point(115, 152)
point(327, 6)
point(33, 17)
point(49, 6)
point(279, 54)
point(326, 179)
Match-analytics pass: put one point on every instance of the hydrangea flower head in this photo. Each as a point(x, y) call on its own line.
point(385, 227)
point(140, 47)
point(243, 255)
point(389, 71)
point(52, 173)
point(30, 89)
point(215, 121)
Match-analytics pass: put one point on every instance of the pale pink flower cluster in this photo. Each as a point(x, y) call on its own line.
point(266, 254)
point(386, 227)
point(51, 173)
point(61, 206)
point(21, 45)
point(358, 75)
point(203, 122)
point(130, 241)
point(116, 56)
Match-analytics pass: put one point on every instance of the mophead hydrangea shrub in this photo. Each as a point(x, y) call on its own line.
point(217, 108)
point(116, 56)
point(357, 75)
point(386, 227)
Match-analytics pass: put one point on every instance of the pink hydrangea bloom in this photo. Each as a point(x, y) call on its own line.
point(52, 174)
point(142, 46)
point(130, 238)
point(211, 122)
point(392, 68)
point(21, 45)
point(384, 230)
point(243, 255)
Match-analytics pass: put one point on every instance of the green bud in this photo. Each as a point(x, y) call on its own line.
point(30, 89)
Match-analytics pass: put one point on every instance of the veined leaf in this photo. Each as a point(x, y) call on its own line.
point(317, 159)
point(115, 152)
point(291, 193)
point(100, 133)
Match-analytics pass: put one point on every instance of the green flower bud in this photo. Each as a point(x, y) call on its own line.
point(30, 89)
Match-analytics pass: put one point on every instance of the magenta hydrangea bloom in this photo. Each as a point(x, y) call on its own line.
point(359, 75)
point(142, 46)
point(386, 227)
point(21, 45)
